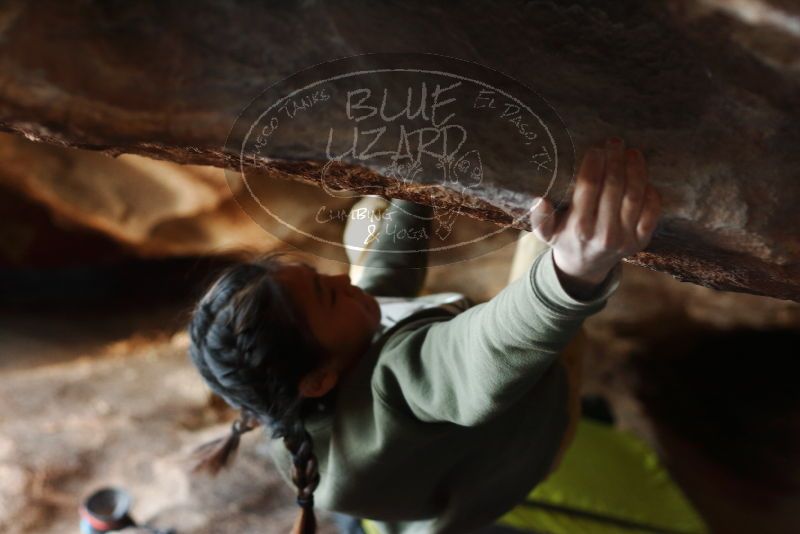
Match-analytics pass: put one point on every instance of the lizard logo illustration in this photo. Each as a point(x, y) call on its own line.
point(457, 177)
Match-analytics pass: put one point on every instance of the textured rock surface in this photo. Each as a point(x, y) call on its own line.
point(66, 207)
point(709, 89)
point(130, 205)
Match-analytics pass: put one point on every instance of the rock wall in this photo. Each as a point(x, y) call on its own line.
point(709, 89)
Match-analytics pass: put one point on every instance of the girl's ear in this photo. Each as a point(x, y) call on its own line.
point(318, 382)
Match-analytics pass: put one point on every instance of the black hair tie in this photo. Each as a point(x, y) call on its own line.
point(306, 502)
point(242, 424)
point(238, 426)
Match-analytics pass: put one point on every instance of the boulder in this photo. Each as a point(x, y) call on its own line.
point(710, 90)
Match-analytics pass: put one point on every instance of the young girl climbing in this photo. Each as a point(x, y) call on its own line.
point(424, 414)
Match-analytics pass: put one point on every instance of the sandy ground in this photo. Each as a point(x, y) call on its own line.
point(128, 417)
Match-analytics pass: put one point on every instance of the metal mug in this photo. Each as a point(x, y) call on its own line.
point(105, 510)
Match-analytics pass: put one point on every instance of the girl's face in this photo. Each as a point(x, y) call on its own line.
point(342, 317)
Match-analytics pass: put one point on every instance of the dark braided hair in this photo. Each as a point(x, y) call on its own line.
point(252, 346)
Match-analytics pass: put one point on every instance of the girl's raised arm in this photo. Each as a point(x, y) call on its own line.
point(469, 368)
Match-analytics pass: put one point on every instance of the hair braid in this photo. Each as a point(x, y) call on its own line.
point(211, 457)
point(252, 347)
point(305, 476)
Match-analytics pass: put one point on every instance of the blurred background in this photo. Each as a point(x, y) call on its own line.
point(102, 259)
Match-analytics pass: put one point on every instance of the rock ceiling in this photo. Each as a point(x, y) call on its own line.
point(710, 90)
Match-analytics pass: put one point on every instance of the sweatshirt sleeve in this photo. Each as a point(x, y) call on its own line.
point(396, 263)
point(480, 362)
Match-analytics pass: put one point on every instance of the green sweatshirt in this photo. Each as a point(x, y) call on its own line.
point(449, 419)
